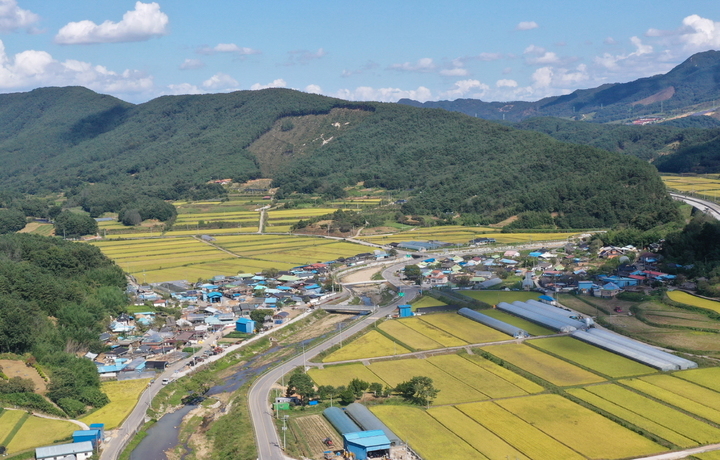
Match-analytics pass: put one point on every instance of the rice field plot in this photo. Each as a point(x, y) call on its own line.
point(468, 330)
point(549, 368)
point(531, 328)
point(123, 397)
point(694, 301)
point(589, 356)
point(707, 377)
point(689, 390)
point(427, 301)
point(299, 213)
point(674, 399)
point(579, 428)
point(427, 436)
point(269, 228)
point(482, 380)
point(371, 345)
point(36, 432)
point(452, 390)
point(38, 228)
point(712, 455)
point(672, 419)
point(409, 337)
point(473, 433)
point(441, 336)
point(637, 419)
point(342, 374)
point(505, 374)
point(524, 437)
point(495, 297)
point(8, 420)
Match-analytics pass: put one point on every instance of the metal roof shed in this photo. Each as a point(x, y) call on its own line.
point(493, 323)
point(339, 419)
point(364, 443)
point(81, 451)
point(369, 421)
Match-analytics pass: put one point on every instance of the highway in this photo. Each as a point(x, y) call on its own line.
point(706, 206)
point(268, 441)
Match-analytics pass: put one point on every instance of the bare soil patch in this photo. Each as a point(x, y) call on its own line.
point(13, 368)
point(361, 275)
point(314, 429)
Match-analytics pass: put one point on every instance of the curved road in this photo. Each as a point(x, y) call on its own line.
point(706, 206)
point(268, 441)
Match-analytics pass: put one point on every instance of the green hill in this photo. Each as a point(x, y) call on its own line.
point(108, 152)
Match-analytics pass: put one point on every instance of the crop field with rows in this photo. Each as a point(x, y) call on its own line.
point(342, 374)
point(489, 384)
point(549, 368)
point(370, 345)
point(467, 330)
point(687, 402)
point(693, 301)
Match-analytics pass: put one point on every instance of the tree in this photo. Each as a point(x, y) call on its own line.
point(358, 387)
point(302, 385)
point(73, 225)
point(376, 388)
point(419, 390)
point(11, 220)
point(259, 315)
point(412, 272)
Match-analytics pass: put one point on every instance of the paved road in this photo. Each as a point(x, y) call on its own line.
point(706, 206)
point(268, 441)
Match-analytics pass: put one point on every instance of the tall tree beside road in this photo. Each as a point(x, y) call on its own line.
point(300, 384)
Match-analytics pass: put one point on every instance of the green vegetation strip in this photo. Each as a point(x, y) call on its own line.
point(15, 429)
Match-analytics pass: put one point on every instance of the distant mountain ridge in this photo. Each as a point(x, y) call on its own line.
point(104, 152)
point(695, 81)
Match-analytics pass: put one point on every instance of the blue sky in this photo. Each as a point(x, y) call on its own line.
point(356, 50)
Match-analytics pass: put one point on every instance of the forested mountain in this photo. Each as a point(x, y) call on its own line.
point(105, 153)
point(695, 81)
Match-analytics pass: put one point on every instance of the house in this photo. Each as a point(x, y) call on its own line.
point(482, 241)
point(609, 290)
point(437, 278)
point(76, 450)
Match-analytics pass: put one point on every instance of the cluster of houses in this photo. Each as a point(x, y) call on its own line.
point(151, 340)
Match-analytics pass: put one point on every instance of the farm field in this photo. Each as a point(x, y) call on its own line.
point(589, 356)
point(444, 338)
point(708, 377)
point(549, 368)
point(408, 336)
point(532, 328)
point(506, 374)
point(579, 428)
point(342, 374)
point(521, 435)
point(452, 390)
point(427, 301)
point(495, 297)
point(36, 432)
point(123, 397)
point(462, 235)
point(473, 433)
point(491, 385)
point(314, 428)
point(693, 301)
point(427, 436)
point(689, 390)
point(39, 229)
point(8, 420)
point(612, 397)
point(466, 329)
point(371, 345)
point(653, 389)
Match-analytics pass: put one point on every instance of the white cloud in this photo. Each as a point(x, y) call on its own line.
point(192, 64)
point(184, 88)
point(12, 17)
point(560, 78)
point(533, 49)
point(455, 72)
point(31, 68)
point(366, 93)
point(227, 48)
point(547, 58)
point(699, 33)
point(303, 57)
point(527, 25)
point(422, 65)
point(505, 83)
point(370, 65)
point(314, 89)
point(278, 83)
point(141, 24)
point(610, 41)
point(221, 82)
point(612, 62)
point(466, 88)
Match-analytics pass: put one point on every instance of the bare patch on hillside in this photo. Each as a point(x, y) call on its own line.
point(14, 368)
point(505, 222)
point(663, 95)
point(292, 137)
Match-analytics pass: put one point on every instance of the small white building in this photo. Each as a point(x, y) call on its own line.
point(76, 450)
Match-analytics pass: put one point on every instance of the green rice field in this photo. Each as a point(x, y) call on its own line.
point(693, 301)
point(495, 297)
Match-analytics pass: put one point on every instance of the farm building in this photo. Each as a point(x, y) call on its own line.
point(76, 450)
point(340, 420)
point(493, 323)
point(245, 325)
point(369, 421)
point(92, 436)
point(405, 311)
point(364, 444)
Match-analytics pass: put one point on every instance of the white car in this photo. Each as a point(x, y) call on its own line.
point(165, 381)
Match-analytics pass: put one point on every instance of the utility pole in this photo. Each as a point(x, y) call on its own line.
point(284, 428)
